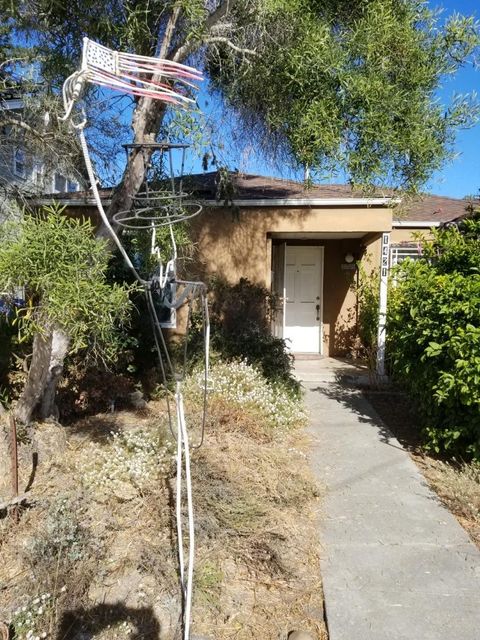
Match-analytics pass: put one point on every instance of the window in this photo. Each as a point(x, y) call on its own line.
point(59, 183)
point(38, 173)
point(19, 164)
point(399, 252)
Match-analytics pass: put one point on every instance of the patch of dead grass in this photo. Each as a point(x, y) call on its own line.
point(458, 486)
point(257, 565)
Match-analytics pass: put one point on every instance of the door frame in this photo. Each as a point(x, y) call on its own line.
point(284, 298)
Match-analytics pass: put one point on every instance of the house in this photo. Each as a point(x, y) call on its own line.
point(304, 245)
point(22, 169)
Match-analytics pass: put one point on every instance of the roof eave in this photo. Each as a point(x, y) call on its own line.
point(259, 202)
point(417, 224)
point(306, 202)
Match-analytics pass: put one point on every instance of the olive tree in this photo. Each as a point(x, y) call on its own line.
point(320, 83)
point(69, 305)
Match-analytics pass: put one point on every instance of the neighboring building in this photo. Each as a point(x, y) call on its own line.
point(19, 167)
point(304, 245)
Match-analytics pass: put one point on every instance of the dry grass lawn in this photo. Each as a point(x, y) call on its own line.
point(94, 553)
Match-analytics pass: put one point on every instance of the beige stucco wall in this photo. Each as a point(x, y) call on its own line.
point(405, 234)
point(234, 245)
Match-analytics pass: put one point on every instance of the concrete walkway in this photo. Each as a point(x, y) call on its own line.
point(396, 564)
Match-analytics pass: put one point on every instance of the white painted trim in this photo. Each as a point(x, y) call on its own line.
point(382, 305)
point(266, 202)
point(416, 224)
point(305, 202)
point(322, 262)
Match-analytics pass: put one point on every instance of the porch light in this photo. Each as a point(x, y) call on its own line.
point(349, 258)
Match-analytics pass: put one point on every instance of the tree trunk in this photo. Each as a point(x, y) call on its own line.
point(147, 118)
point(60, 346)
point(37, 377)
point(4, 454)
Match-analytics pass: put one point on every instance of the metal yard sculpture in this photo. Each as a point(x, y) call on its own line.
point(151, 208)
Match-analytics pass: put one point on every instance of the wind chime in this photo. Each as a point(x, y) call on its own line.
point(151, 208)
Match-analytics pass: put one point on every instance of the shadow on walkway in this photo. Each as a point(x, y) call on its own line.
point(354, 400)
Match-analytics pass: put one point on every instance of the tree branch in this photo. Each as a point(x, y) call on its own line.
point(15, 122)
point(230, 44)
point(220, 12)
point(10, 60)
point(146, 119)
point(172, 21)
point(211, 23)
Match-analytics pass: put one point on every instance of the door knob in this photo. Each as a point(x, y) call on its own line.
point(318, 311)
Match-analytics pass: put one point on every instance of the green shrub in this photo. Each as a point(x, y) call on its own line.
point(433, 338)
point(241, 317)
point(63, 269)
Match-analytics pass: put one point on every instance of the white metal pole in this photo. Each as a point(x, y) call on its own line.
point(284, 291)
point(382, 307)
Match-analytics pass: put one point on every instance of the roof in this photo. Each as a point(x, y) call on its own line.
point(432, 208)
point(245, 189)
point(248, 186)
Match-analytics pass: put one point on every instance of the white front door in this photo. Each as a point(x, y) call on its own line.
point(303, 291)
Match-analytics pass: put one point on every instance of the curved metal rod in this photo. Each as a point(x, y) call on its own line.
point(142, 219)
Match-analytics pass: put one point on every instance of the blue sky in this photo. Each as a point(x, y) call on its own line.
point(461, 177)
point(458, 178)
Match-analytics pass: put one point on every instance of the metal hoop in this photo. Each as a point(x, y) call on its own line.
point(153, 218)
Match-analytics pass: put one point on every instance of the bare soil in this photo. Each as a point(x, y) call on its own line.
point(99, 561)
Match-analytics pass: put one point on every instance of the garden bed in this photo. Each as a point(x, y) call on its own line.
point(94, 553)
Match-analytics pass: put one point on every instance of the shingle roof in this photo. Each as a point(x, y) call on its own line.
point(432, 208)
point(247, 186)
point(428, 208)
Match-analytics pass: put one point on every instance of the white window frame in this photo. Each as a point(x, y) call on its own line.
point(39, 173)
point(399, 252)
